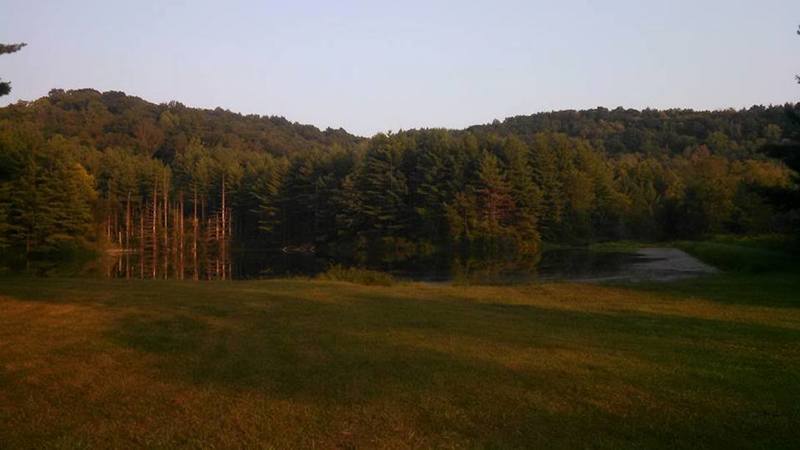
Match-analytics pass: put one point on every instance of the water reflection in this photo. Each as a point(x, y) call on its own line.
point(199, 265)
point(439, 266)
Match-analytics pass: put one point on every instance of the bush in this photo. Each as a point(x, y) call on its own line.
point(337, 272)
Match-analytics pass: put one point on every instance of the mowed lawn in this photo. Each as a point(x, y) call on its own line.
point(711, 363)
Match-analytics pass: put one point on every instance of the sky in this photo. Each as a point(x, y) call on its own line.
point(372, 66)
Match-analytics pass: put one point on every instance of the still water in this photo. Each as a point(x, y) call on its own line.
point(557, 264)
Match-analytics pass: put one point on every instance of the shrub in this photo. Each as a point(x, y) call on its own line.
point(338, 272)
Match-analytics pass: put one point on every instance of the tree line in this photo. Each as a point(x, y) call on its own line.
point(84, 168)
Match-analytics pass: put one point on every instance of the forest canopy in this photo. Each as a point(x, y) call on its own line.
point(85, 168)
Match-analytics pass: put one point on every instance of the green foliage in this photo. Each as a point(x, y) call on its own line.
point(526, 194)
point(652, 132)
point(787, 197)
point(47, 200)
point(83, 160)
point(337, 272)
point(264, 184)
point(435, 180)
point(11, 48)
point(5, 86)
point(381, 182)
point(495, 203)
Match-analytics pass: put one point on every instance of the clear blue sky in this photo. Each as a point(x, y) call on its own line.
point(378, 65)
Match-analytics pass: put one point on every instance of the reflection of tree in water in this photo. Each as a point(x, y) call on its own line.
point(583, 263)
point(494, 269)
point(217, 262)
point(209, 260)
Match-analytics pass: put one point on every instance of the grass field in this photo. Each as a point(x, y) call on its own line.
point(707, 363)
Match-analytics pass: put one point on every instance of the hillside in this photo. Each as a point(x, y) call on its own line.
point(114, 119)
point(84, 166)
point(737, 133)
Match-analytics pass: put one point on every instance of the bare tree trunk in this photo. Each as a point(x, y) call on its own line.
point(223, 212)
point(166, 213)
point(194, 235)
point(108, 228)
point(128, 222)
point(141, 240)
point(180, 236)
point(224, 225)
point(117, 232)
point(154, 229)
point(165, 226)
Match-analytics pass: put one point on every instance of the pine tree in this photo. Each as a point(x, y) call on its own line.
point(435, 183)
point(50, 207)
point(266, 189)
point(495, 201)
point(262, 184)
point(383, 190)
point(347, 201)
point(463, 217)
point(300, 199)
point(5, 86)
point(526, 194)
point(545, 162)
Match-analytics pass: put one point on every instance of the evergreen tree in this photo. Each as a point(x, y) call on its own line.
point(301, 198)
point(435, 182)
point(526, 194)
point(264, 186)
point(383, 190)
point(567, 176)
point(787, 198)
point(546, 175)
point(50, 205)
point(495, 201)
point(347, 201)
point(463, 217)
point(5, 86)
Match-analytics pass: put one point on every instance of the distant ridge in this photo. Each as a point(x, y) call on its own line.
point(115, 119)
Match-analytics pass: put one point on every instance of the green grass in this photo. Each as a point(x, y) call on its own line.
point(742, 254)
point(746, 255)
point(706, 363)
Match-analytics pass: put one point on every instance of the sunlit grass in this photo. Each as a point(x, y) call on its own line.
point(299, 363)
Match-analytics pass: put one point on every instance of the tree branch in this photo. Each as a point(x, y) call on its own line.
point(11, 48)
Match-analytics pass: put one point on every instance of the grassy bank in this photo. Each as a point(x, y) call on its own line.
point(741, 254)
point(746, 254)
point(710, 363)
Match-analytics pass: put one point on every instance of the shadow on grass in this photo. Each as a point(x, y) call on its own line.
point(346, 352)
point(773, 289)
point(500, 374)
point(163, 335)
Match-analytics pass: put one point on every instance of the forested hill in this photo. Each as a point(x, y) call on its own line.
point(84, 167)
point(114, 119)
point(738, 133)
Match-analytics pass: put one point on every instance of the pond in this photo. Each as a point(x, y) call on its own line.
point(567, 264)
